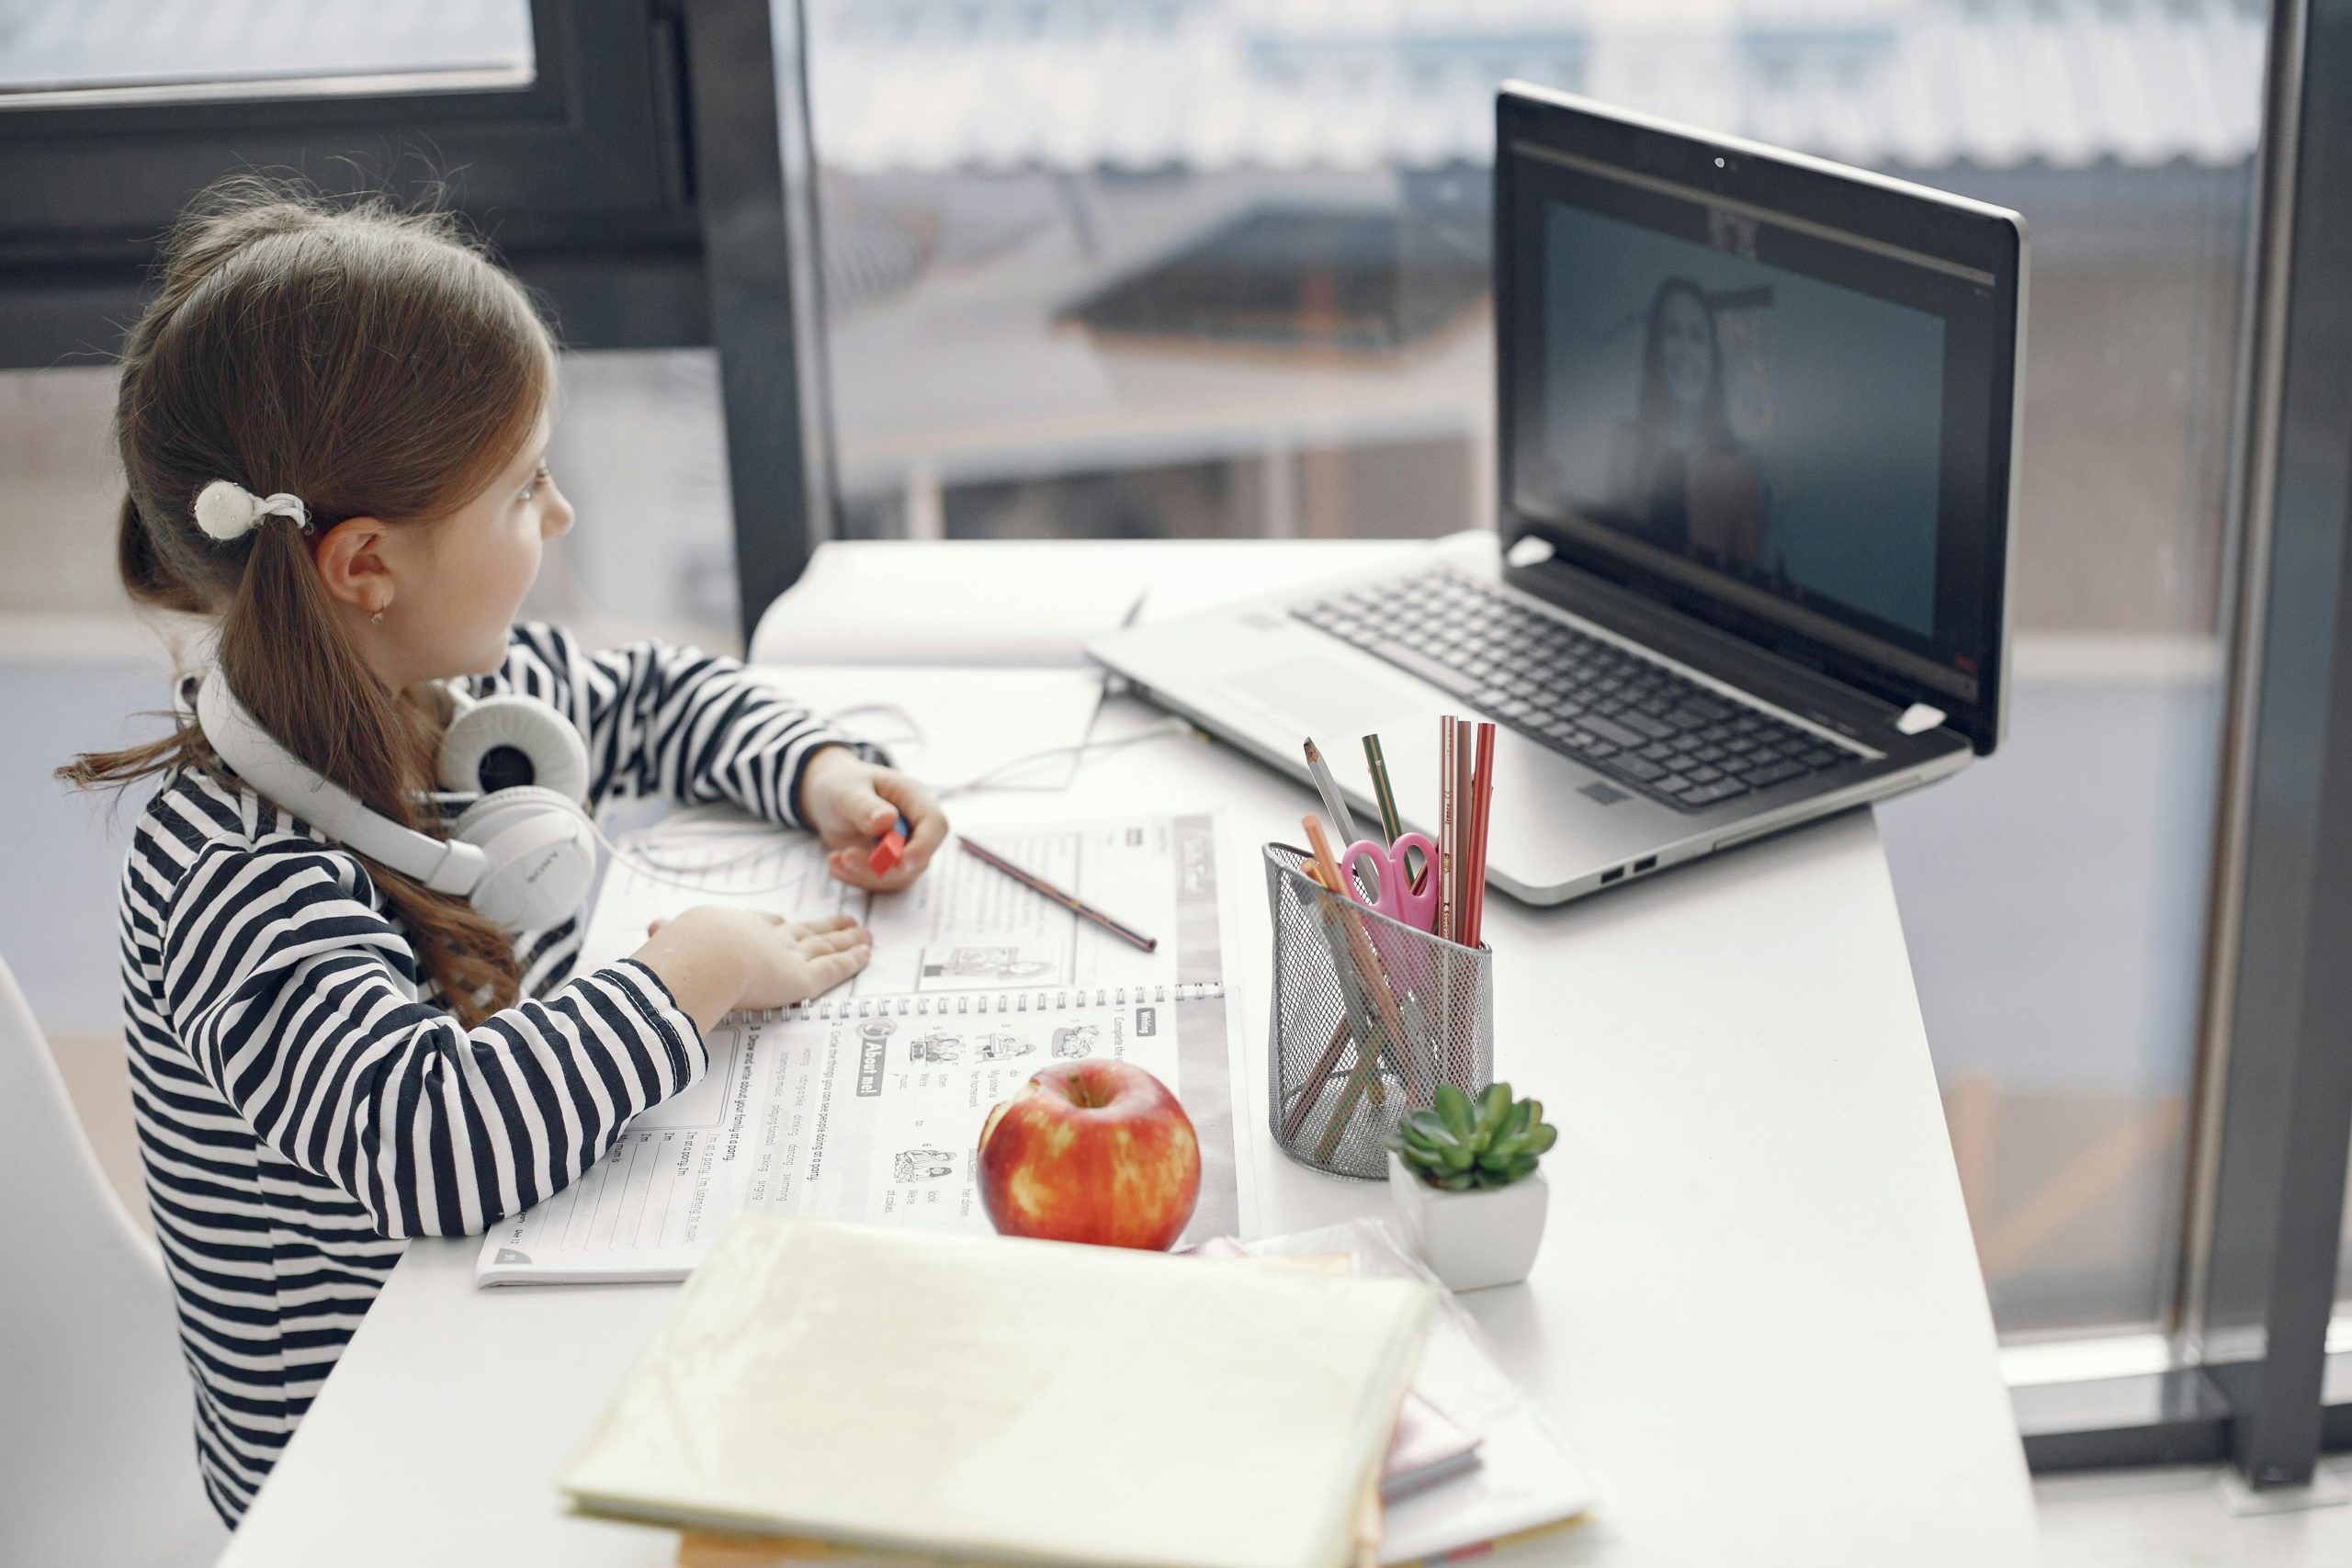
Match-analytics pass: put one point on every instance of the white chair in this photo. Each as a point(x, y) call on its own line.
point(97, 1459)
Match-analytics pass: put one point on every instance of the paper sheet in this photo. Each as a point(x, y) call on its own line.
point(964, 926)
point(1528, 1480)
point(867, 1105)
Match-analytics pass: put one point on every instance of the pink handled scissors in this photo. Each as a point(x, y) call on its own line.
point(1393, 893)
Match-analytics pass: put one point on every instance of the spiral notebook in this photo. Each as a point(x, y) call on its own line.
point(865, 1104)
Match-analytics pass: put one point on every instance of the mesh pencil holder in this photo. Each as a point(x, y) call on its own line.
point(1370, 1016)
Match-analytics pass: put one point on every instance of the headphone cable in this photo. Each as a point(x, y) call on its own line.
point(659, 871)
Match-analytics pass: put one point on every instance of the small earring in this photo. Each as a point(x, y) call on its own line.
point(377, 619)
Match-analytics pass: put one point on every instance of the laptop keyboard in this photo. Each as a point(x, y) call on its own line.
point(1638, 722)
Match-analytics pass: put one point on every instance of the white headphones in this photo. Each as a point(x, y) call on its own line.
point(522, 854)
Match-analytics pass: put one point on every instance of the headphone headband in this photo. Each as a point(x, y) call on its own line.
point(443, 866)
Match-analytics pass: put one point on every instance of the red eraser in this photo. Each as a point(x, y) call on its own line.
point(889, 847)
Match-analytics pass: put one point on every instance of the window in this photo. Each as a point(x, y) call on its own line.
point(87, 50)
point(1208, 268)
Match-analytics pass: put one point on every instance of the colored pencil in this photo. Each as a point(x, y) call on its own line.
point(1311, 1091)
point(1337, 805)
point(1355, 1013)
point(1383, 794)
point(1328, 788)
point(1465, 815)
point(1392, 821)
point(1367, 966)
point(1482, 801)
point(1448, 834)
point(1076, 906)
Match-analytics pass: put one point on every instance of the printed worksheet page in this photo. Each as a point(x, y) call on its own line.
point(964, 926)
point(867, 1104)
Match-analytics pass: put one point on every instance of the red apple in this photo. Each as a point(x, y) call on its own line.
point(1094, 1151)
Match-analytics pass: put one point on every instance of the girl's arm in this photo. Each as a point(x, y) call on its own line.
point(297, 1000)
point(671, 720)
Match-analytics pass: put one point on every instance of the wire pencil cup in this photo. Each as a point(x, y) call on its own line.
point(1370, 1016)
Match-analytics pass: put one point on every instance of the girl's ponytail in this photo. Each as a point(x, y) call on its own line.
point(377, 366)
point(379, 741)
point(150, 581)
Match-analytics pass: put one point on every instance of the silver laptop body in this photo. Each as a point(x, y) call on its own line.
point(1757, 425)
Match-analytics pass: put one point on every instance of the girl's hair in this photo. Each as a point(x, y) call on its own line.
point(375, 362)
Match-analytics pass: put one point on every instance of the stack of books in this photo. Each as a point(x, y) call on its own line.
point(826, 1390)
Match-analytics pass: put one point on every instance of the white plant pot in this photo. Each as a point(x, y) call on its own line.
point(1471, 1239)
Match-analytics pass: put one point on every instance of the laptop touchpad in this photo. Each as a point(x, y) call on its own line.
point(1319, 696)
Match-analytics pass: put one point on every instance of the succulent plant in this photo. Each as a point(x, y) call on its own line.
point(1458, 1144)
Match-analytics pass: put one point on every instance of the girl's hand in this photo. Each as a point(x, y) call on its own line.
point(851, 803)
point(716, 959)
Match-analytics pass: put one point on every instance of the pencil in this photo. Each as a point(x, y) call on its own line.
point(1311, 1090)
point(1082, 909)
point(1328, 788)
point(1383, 794)
point(1310, 1093)
point(1464, 813)
point(1449, 832)
point(1336, 803)
point(1482, 803)
point(1416, 1021)
point(1392, 821)
point(1367, 966)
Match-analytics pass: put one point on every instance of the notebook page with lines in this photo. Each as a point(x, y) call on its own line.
point(865, 1104)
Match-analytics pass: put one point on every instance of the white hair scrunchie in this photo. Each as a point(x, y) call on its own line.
point(227, 510)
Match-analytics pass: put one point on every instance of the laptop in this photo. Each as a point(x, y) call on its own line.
point(1757, 422)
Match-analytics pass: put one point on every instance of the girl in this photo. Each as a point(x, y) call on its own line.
point(326, 1056)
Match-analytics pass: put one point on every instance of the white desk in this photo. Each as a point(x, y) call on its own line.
point(1757, 1312)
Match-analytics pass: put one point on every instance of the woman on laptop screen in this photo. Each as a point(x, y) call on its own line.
point(1676, 472)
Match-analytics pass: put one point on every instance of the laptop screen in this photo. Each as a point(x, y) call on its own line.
point(1789, 419)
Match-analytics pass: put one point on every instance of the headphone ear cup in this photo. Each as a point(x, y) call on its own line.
point(509, 741)
point(541, 854)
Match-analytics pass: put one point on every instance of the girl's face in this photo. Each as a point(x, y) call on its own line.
point(461, 581)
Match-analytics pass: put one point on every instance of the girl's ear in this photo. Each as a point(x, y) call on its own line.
point(351, 565)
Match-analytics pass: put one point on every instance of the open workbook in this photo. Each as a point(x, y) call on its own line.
point(866, 1103)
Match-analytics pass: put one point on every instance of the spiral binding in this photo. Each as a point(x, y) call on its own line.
point(1057, 1001)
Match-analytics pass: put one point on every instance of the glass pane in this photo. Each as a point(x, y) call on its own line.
point(640, 437)
point(252, 48)
point(1217, 267)
point(58, 509)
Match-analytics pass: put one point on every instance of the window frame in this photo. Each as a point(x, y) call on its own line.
point(2249, 1375)
point(644, 183)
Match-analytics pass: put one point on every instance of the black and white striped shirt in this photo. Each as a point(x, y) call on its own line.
point(304, 1104)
